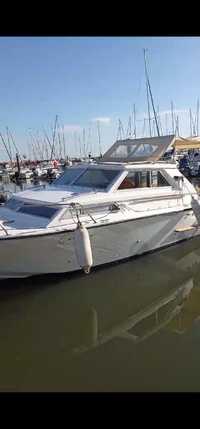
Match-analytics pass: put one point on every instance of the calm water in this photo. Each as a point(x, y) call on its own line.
point(133, 326)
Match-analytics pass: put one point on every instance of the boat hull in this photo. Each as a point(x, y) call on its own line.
point(55, 252)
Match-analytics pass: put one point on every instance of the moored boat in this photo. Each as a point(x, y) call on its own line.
point(128, 204)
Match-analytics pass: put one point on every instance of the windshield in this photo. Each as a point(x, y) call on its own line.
point(13, 203)
point(96, 178)
point(69, 175)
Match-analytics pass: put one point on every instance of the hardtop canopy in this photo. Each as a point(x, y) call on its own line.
point(134, 150)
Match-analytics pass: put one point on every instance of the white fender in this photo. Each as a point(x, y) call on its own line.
point(196, 209)
point(83, 247)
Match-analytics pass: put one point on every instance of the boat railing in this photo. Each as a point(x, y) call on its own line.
point(3, 228)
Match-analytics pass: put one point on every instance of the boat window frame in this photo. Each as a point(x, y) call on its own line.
point(24, 202)
point(48, 219)
point(140, 189)
point(77, 177)
point(112, 185)
point(109, 186)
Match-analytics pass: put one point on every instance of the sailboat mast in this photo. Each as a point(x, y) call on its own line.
point(14, 144)
point(172, 114)
point(8, 139)
point(190, 123)
point(134, 121)
point(129, 128)
point(84, 148)
point(7, 151)
point(99, 137)
point(151, 96)
point(53, 139)
point(147, 89)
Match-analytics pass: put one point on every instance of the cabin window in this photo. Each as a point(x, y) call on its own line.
point(136, 179)
point(143, 179)
point(96, 178)
point(145, 150)
point(42, 211)
point(157, 179)
point(123, 151)
point(69, 176)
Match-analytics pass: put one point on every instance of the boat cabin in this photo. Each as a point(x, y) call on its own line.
point(136, 176)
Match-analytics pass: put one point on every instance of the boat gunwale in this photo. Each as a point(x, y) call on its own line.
point(92, 226)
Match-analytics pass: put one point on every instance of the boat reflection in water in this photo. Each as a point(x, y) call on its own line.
point(118, 329)
point(166, 298)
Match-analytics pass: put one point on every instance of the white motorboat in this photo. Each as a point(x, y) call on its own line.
point(26, 173)
point(128, 204)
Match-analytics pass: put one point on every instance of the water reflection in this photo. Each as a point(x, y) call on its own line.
point(62, 332)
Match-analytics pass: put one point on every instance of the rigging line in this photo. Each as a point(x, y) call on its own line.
point(7, 151)
point(159, 120)
point(151, 96)
point(134, 122)
point(147, 91)
point(15, 146)
point(197, 117)
point(99, 137)
point(9, 145)
point(46, 136)
point(54, 135)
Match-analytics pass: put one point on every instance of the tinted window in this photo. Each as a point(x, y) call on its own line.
point(96, 178)
point(123, 151)
point(157, 179)
point(42, 211)
point(136, 179)
point(69, 176)
point(13, 203)
point(143, 179)
point(145, 149)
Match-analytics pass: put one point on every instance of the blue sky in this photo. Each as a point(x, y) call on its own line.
point(82, 79)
